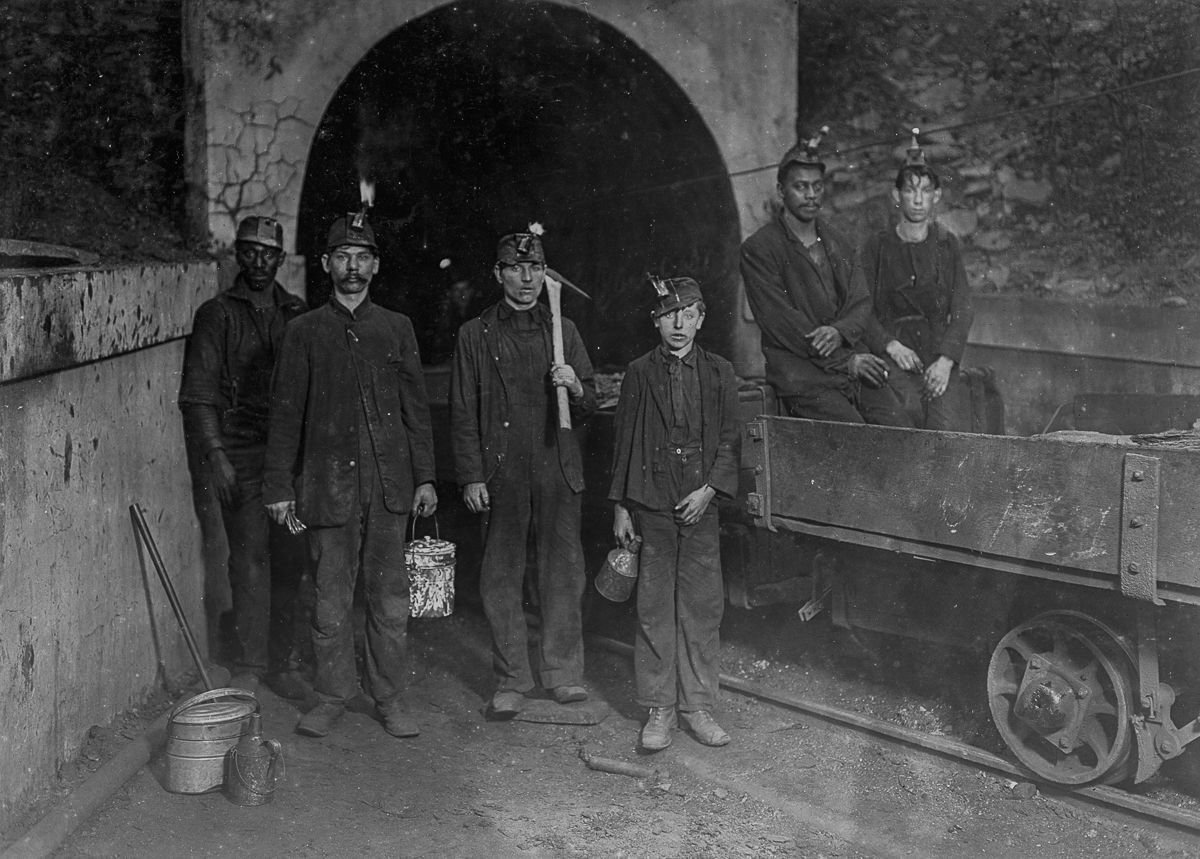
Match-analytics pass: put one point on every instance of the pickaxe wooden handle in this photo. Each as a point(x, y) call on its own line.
point(554, 296)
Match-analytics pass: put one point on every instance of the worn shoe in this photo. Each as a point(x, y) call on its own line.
point(507, 703)
point(319, 721)
point(570, 694)
point(656, 733)
point(705, 728)
point(290, 685)
point(398, 722)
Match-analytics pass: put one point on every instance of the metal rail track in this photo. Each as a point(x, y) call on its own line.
point(1101, 796)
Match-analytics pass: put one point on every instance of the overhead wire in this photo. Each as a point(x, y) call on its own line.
point(891, 140)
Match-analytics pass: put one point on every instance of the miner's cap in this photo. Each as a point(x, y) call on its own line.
point(261, 230)
point(520, 247)
point(806, 153)
point(673, 294)
point(343, 232)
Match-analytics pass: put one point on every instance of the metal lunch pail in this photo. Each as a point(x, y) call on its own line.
point(200, 732)
point(430, 564)
point(619, 575)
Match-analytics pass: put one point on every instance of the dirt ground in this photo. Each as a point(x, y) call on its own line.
point(788, 785)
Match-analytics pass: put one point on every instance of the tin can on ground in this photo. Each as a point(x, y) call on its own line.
point(200, 732)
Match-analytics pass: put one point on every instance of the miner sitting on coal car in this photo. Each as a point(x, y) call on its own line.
point(523, 472)
point(225, 396)
point(812, 305)
point(922, 303)
point(676, 448)
point(349, 455)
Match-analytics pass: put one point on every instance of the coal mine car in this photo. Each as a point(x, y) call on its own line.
point(1074, 557)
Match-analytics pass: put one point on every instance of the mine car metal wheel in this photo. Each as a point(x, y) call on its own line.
point(1060, 691)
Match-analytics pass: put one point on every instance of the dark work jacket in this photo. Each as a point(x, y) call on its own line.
point(930, 314)
point(479, 408)
point(643, 424)
point(334, 364)
point(783, 288)
point(228, 365)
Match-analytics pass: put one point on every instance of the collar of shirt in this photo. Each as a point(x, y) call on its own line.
point(505, 311)
point(792, 225)
point(241, 290)
point(689, 359)
point(342, 310)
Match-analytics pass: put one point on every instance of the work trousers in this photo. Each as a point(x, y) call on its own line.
point(848, 401)
point(950, 411)
point(680, 602)
point(265, 632)
point(371, 541)
point(530, 496)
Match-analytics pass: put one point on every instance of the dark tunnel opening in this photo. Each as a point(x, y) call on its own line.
point(484, 116)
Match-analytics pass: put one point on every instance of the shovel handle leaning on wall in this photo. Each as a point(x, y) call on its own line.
point(143, 531)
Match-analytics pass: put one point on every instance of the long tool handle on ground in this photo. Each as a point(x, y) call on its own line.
point(554, 295)
point(143, 530)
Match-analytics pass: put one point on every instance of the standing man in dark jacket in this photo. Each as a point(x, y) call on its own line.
point(676, 449)
point(921, 298)
point(225, 396)
point(350, 453)
point(811, 303)
point(516, 465)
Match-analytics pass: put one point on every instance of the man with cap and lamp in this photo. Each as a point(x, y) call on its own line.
point(922, 304)
point(676, 448)
point(812, 305)
point(522, 469)
point(225, 396)
point(349, 456)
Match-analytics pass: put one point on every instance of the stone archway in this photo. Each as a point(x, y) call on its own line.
point(264, 75)
point(478, 118)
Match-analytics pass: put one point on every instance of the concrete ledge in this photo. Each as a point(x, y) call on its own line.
point(61, 318)
point(1145, 335)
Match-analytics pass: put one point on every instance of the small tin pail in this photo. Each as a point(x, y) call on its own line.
point(200, 732)
point(619, 575)
point(430, 565)
point(253, 767)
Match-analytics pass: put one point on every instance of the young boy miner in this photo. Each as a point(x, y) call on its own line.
point(921, 299)
point(676, 447)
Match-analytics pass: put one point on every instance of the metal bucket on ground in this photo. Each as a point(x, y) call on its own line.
point(200, 732)
point(430, 565)
point(253, 767)
point(618, 577)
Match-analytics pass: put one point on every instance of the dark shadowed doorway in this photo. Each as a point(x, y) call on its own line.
point(483, 116)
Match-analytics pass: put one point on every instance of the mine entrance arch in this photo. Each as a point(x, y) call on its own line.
point(479, 117)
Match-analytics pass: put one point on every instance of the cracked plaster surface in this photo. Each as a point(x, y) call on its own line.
point(258, 155)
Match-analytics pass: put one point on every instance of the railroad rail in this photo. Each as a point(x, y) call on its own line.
point(1140, 808)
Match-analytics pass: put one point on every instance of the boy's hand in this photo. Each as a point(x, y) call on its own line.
point(475, 496)
point(937, 376)
point(692, 507)
point(623, 531)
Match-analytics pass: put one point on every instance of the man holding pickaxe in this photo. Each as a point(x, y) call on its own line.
point(522, 381)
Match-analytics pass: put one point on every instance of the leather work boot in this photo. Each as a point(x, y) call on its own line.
point(319, 721)
point(290, 684)
point(506, 703)
point(570, 694)
point(705, 728)
point(398, 722)
point(656, 733)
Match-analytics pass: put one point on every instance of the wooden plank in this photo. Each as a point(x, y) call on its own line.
point(1044, 501)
